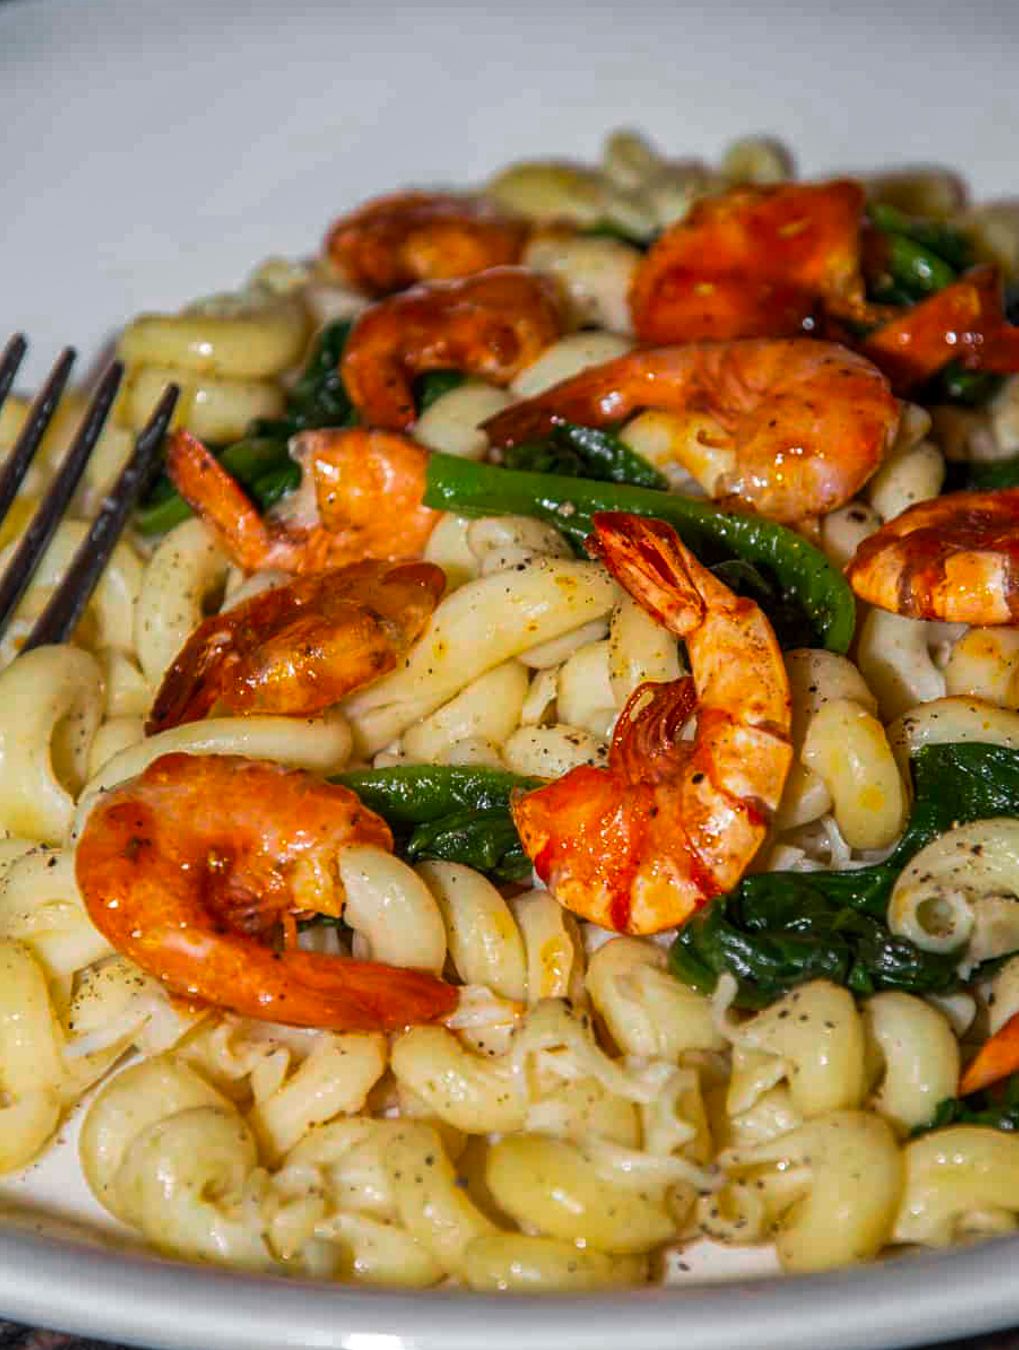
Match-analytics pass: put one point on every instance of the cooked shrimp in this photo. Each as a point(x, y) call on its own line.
point(192, 870)
point(954, 558)
point(493, 324)
point(670, 823)
point(789, 427)
point(394, 241)
point(752, 262)
point(964, 322)
point(361, 492)
point(299, 648)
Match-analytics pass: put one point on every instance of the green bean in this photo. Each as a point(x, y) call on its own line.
point(801, 572)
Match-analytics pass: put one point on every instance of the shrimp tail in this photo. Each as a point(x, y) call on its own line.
point(647, 558)
point(196, 679)
point(220, 501)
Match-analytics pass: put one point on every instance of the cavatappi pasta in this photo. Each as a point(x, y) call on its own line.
point(454, 1046)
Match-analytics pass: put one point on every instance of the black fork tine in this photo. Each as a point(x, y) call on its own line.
point(58, 620)
point(14, 354)
point(32, 545)
point(18, 461)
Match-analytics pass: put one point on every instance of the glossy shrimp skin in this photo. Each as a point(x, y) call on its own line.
point(791, 428)
point(190, 870)
point(752, 262)
point(641, 845)
point(492, 324)
point(955, 558)
point(395, 241)
point(301, 647)
point(360, 497)
point(964, 323)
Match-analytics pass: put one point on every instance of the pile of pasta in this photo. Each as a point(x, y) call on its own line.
point(584, 1114)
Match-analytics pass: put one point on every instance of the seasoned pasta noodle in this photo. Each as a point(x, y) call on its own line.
point(509, 593)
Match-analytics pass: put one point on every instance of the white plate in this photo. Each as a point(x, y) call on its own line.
point(154, 151)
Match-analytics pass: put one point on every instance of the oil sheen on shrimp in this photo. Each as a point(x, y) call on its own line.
point(301, 647)
point(360, 497)
point(193, 870)
point(964, 323)
point(492, 324)
point(395, 241)
point(752, 262)
point(641, 845)
point(955, 558)
point(791, 428)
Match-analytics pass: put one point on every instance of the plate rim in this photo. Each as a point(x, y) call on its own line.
point(917, 1298)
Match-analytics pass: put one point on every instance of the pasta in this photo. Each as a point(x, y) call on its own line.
point(476, 836)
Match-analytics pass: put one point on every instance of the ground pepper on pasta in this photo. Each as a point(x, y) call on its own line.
point(567, 664)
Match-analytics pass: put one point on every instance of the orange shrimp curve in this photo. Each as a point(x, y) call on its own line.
point(670, 823)
point(955, 558)
point(190, 870)
point(791, 428)
point(752, 262)
point(361, 496)
point(965, 323)
point(492, 324)
point(301, 647)
point(395, 241)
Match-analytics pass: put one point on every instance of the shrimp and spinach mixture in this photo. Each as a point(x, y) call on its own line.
point(538, 787)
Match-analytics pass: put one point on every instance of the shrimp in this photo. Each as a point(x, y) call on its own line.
point(954, 558)
point(964, 323)
point(394, 241)
point(193, 868)
point(493, 324)
point(791, 428)
point(752, 262)
point(640, 845)
point(361, 496)
point(299, 648)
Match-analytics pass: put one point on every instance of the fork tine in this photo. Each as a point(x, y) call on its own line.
point(29, 551)
point(14, 354)
point(18, 461)
point(58, 620)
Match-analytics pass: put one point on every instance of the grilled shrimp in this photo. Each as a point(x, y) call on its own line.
point(752, 262)
point(192, 869)
point(299, 648)
point(642, 844)
point(395, 241)
point(789, 427)
point(964, 322)
point(361, 492)
point(493, 324)
point(954, 558)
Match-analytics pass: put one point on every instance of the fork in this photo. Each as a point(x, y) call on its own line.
point(67, 603)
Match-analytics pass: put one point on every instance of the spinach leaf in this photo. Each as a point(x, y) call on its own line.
point(608, 229)
point(997, 1108)
point(444, 811)
point(778, 929)
point(585, 452)
point(989, 477)
point(484, 840)
point(433, 384)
